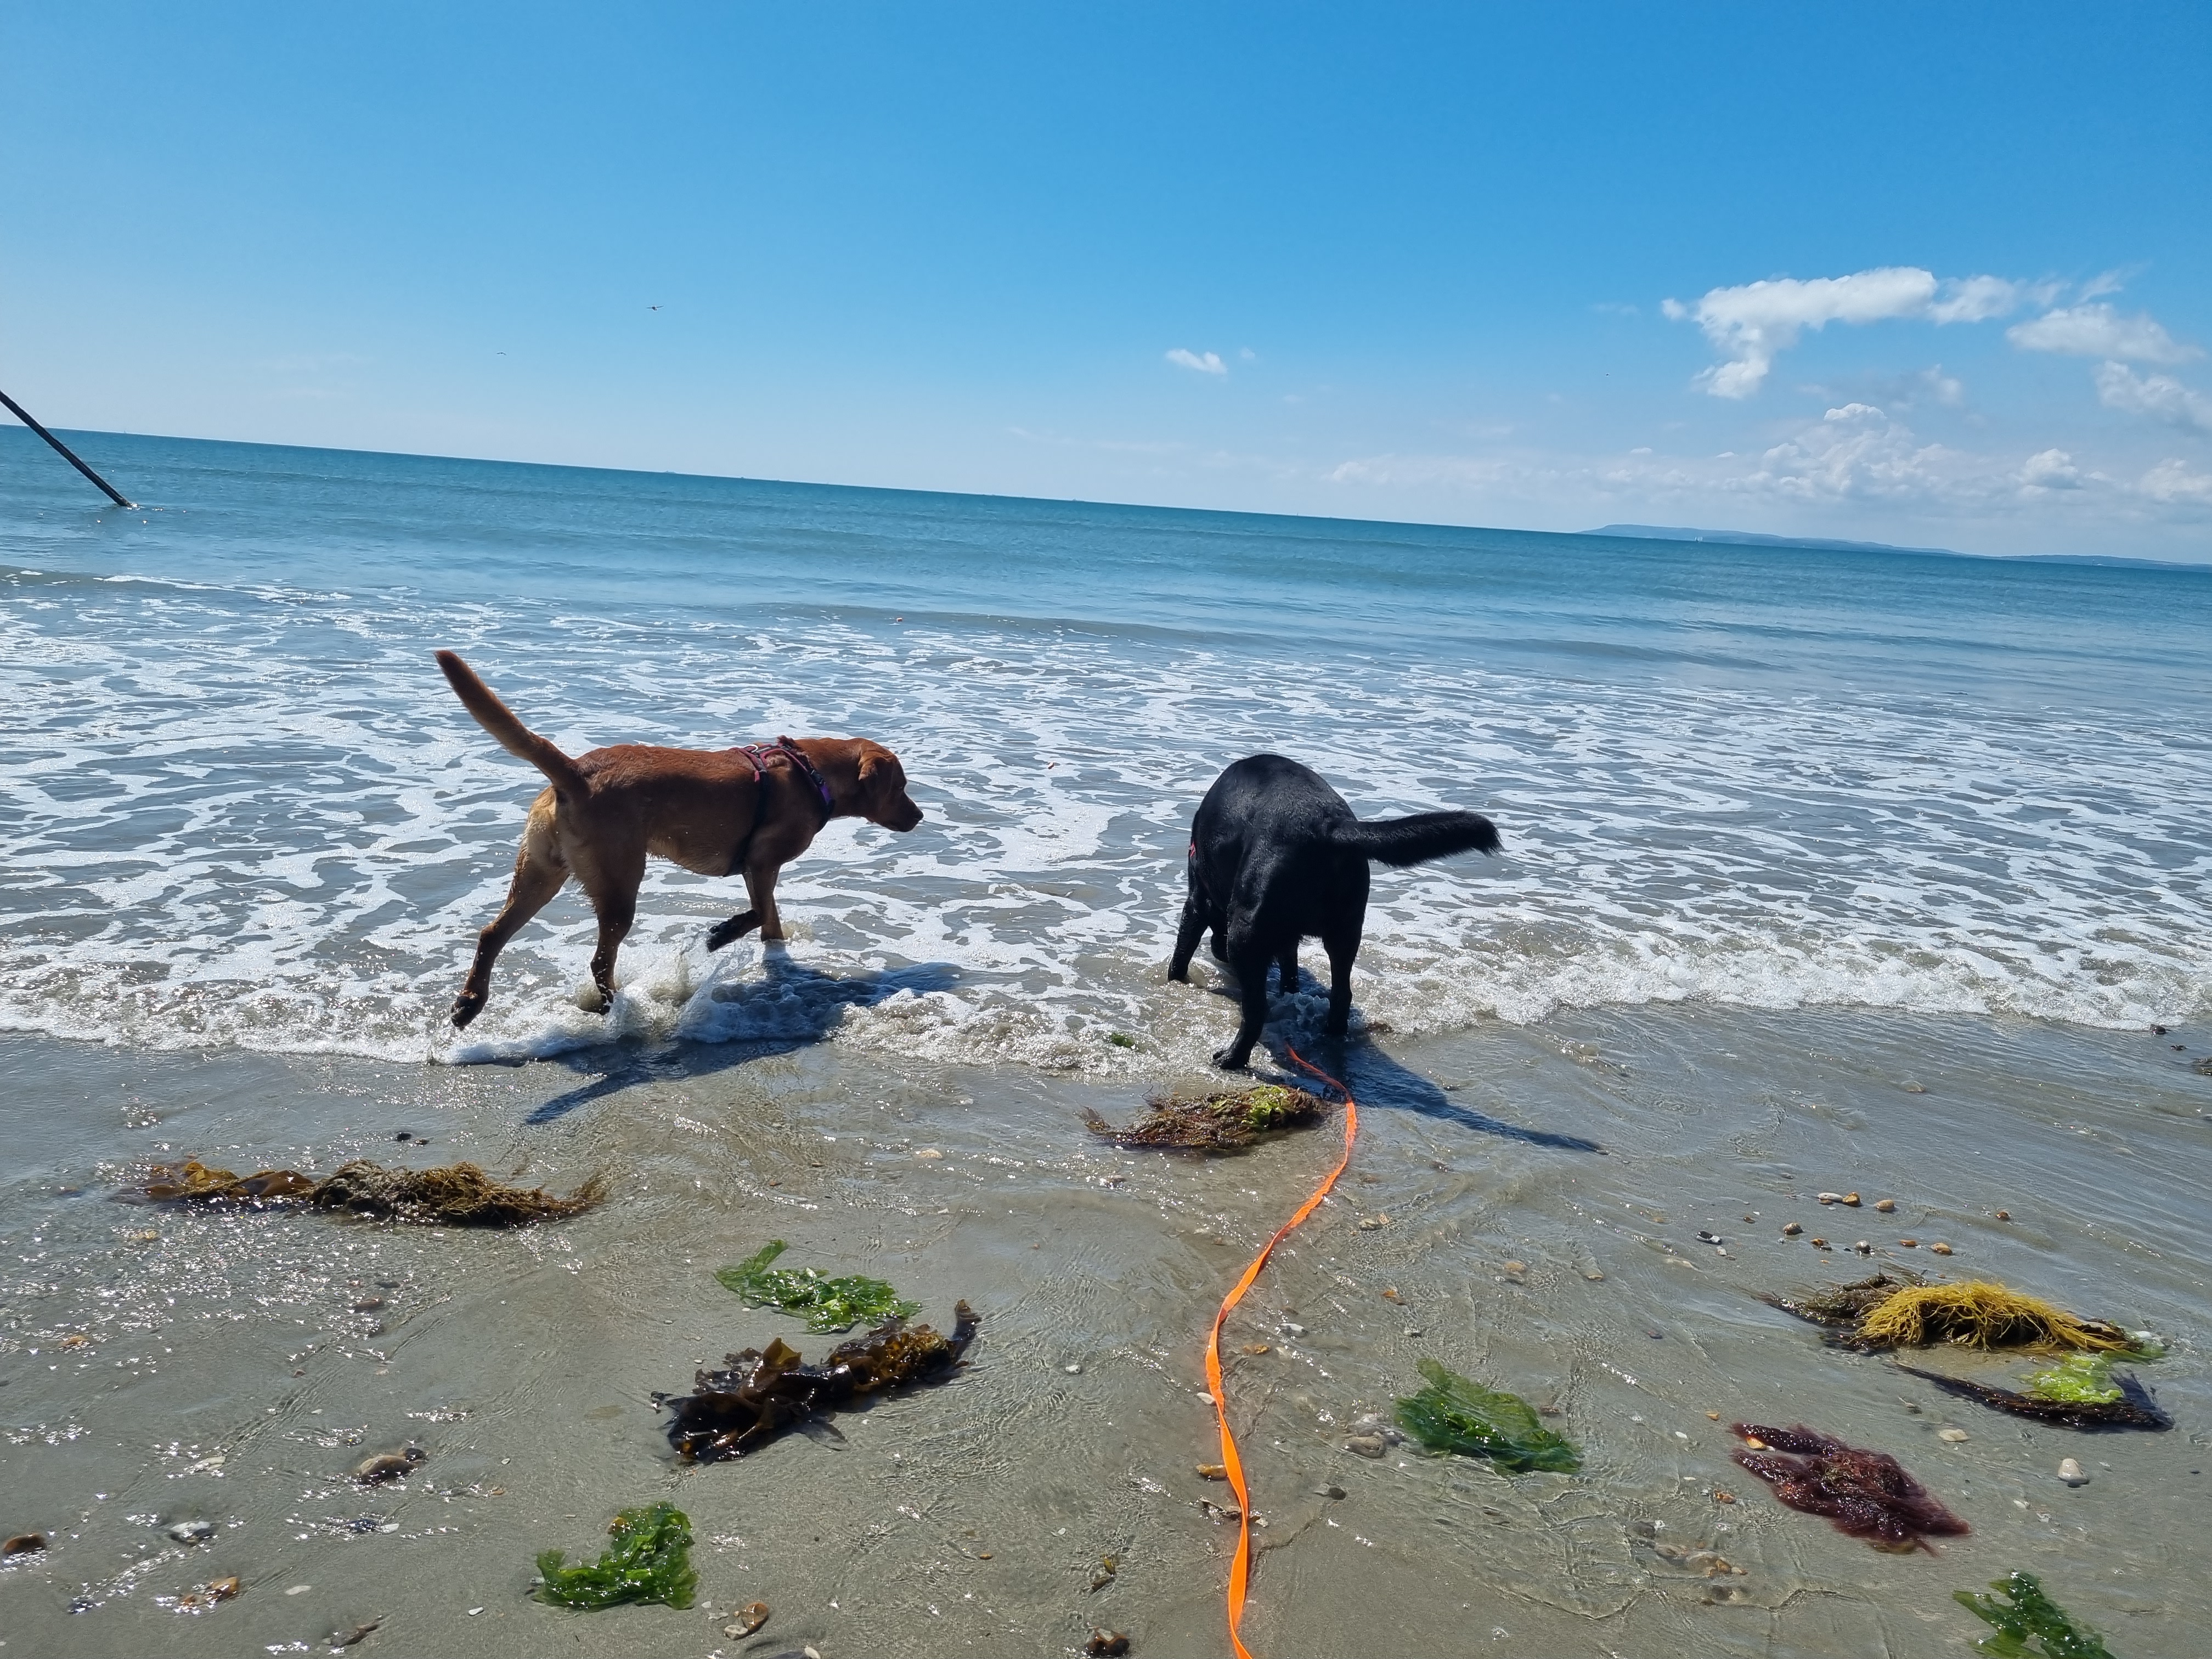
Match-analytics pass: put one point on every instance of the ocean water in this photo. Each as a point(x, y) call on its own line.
point(1824, 873)
point(242, 808)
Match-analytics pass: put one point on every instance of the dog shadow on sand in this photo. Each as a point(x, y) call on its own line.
point(1379, 1081)
point(787, 1007)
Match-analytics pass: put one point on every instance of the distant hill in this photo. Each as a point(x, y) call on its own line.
point(1659, 532)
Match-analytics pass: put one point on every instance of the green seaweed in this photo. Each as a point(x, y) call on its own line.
point(2084, 1379)
point(1453, 1414)
point(650, 1560)
point(2025, 1615)
point(830, 1304)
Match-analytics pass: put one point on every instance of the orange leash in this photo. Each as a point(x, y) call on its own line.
point(1240, 1570)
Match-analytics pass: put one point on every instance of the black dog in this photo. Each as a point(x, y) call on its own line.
point(1276, 857)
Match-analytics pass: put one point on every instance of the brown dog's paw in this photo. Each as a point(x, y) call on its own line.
point(466, 1007)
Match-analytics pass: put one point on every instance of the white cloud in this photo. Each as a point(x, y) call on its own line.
point(2177, 484)
point(2159, 396)
point(1754, 323)
point(1208, 363)
point(2052, 468)
point(2097, 330)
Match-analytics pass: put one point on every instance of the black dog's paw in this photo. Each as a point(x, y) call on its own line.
point(1230, 1060)
point(1338, 1024)
point(736, 927)
point(1178, 975)
point(466, 1007)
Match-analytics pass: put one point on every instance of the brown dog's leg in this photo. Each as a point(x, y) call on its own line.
point(539, 872)
point(613, 888)
point(760, 888)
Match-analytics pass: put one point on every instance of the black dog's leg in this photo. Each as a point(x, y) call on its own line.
point(1288, 962)
point(1247, 960)
point(1342, 947)
point(1193, 924)
point(1219, 923)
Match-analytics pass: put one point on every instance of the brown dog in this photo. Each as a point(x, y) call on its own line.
point(715, 813)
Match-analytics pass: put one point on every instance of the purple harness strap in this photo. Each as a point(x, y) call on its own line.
point(759, 754)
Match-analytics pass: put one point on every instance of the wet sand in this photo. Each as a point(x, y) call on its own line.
point(224, 1375)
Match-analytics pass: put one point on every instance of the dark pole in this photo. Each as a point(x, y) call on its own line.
point(24, 416)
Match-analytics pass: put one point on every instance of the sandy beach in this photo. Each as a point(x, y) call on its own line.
point(224, 1378)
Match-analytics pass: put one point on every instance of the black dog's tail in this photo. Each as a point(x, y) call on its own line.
point(1418, 839)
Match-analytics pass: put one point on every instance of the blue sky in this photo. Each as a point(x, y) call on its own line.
point(1939, 274)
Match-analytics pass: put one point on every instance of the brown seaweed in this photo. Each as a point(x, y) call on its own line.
point(2136, 1409)
point(758, 1396)
point(456, 1196)
point(1222, 1122)
point(1867, 1494)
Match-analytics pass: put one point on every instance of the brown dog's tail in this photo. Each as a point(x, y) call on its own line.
point(496, 718)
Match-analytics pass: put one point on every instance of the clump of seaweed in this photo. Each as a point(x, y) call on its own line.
point(1906, 1311)
point(650, 1560)
point(758, 1396)
point(1453, 1414)
point(2023, 1611)
point(1867, 1494)
point(1222, 1122)
point(2126, 1404)
point(455, 1195)
point(830, 1304)
point(2080, 1378)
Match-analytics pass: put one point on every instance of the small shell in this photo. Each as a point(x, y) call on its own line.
point(1818, 1243)
point(1954, 1436)
point(1791, 1229)
point(1941, 1250)
point(1831, 1198)
point(1212, 1471)
point(223, 1589)
point(1885, 1204)
point(2004, 1215)
point(1910, 1243)
point(1851, 1199)
point(1366, 1445)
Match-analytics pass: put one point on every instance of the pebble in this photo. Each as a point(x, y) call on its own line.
point(748, 1620)
point(223, 1589)
point(1412, 1330)
point(1885, 1204)
point(368, 1304)
point(1294, 1327)
point(1863, 1247)
point(1103, 1644)
point(1592, 1274)
point(346, 1638)
point(387, 1465)
point(1516, 1267)
point(23, 1543)
point(1257, 1347)
point(301, 1589)
point(1329, 1491)
point(1072, 1371)
point(2070, 1472)
point(2004, 1215)
point(1915, 1089)
point(1830, 1198)
point(191, 1532)
point(1954, 1436)
point(1791, 1229)
point(1373, 1223)
point(1214, 1471)
point(1941, 1250)
point(1818, 1243)
point(1910, 1243)
point(1851, 1199)
point(929, 1151)
point(1366, 1445)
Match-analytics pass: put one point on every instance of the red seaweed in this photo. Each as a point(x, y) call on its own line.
point(1867, 1494)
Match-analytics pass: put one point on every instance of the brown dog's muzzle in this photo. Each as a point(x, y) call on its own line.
point(902, 817)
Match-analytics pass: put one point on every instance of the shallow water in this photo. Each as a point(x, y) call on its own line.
point(1791, 839)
